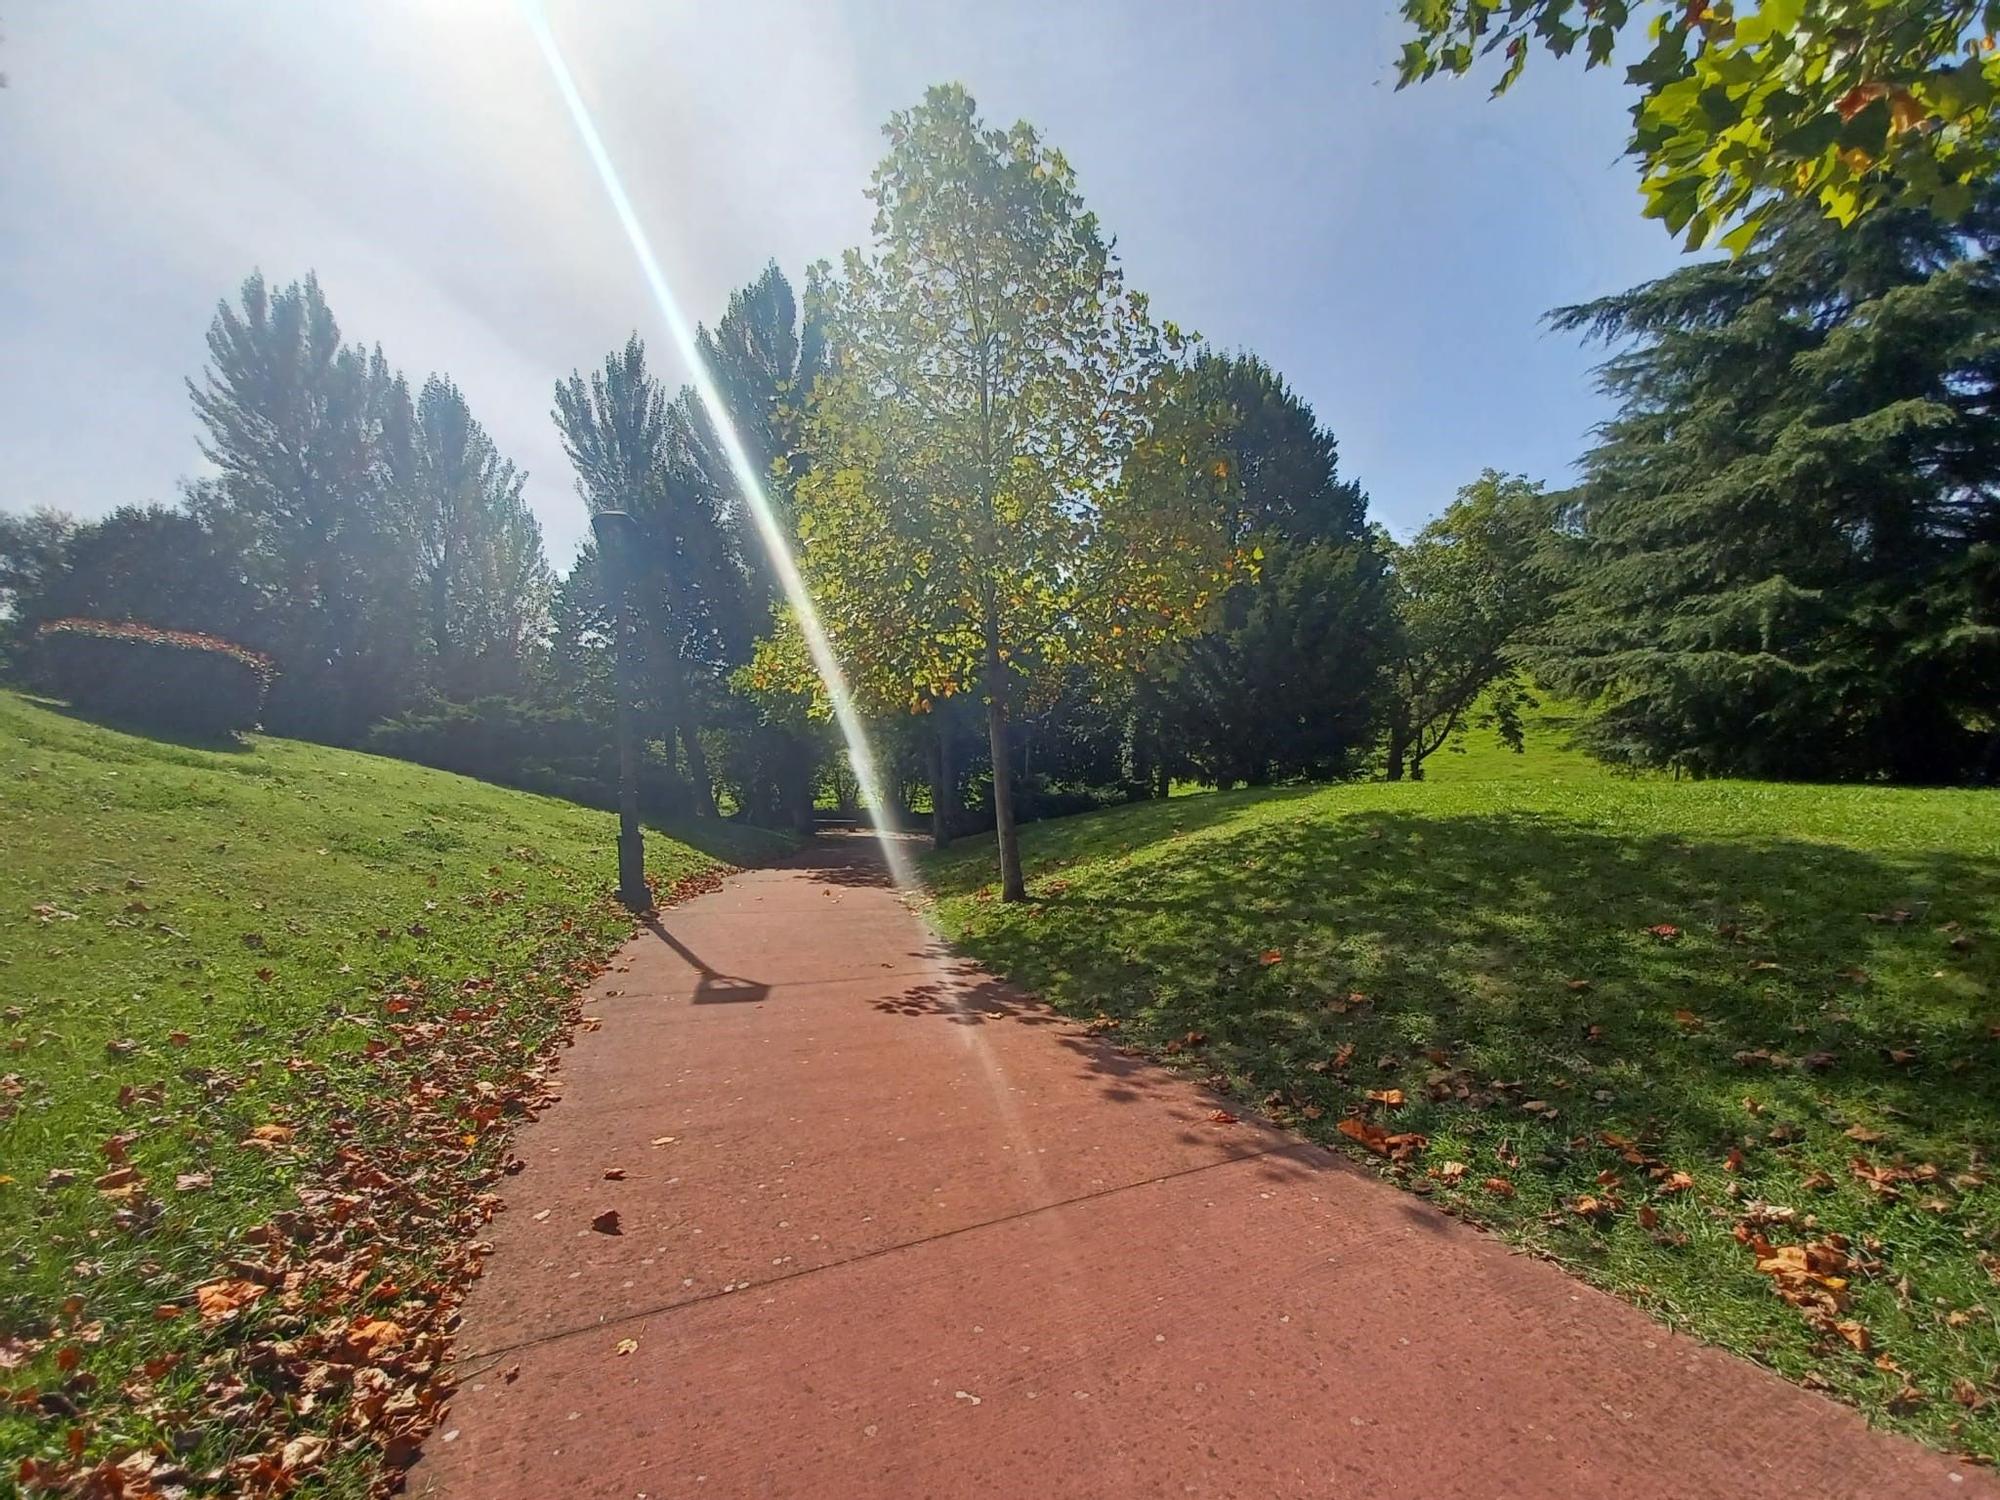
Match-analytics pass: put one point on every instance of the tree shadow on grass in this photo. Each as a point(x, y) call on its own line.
point(1517, 948)
point(1104, 834)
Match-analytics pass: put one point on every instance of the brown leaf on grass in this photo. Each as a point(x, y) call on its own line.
point(268, 1137)
point(1733, 1162)
point(1862, 1134)
point(1406, 1145)
point(120, 1180)
point(1811, 1277)
point(1576, 986)
point(302, 1453)
point(1688, 1020)
point(1967, 1395)
point(1589, 1206)
point(193, 1182)
point(1367, 1132)
point(1270, 956)
point(1452, 1171)
point(1854, 1334)
point(1648, 1216)
point(607, 1222)
point(220, 1300)
point(1674, 1182)
point(367, 1339)
point(1883, 1182)
point(1387, 1098)
point(1499, 1187)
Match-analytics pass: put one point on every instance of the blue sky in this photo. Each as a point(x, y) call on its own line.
point(1390, 253)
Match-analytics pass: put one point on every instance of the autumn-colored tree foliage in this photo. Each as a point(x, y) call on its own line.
point(1852, 104)
point(962, 526)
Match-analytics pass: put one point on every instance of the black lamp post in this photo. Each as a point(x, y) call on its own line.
point(617, 545)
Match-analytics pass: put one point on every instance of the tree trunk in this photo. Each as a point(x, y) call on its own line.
point(1012, 887)
point(944, 785)
point(1398, 750)
point(704, 789)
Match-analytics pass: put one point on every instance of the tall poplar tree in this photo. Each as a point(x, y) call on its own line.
point(961, 524)
point(482, 581)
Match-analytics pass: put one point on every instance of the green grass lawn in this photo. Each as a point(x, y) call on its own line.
point(1584, 985)
point(266, 1016)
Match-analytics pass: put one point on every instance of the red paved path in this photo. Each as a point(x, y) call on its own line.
point(916, 1237)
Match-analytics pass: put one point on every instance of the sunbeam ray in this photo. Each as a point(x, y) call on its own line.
point(748, 479)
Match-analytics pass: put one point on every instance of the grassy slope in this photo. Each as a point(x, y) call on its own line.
point(1494, 915)
point(226, 925)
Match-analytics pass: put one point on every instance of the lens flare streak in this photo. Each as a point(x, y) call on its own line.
point(748, 479)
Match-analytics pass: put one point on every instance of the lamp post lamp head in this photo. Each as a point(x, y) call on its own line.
point(615, 529)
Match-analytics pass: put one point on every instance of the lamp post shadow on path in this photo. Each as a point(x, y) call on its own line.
point(714, 987)
point(617, 536)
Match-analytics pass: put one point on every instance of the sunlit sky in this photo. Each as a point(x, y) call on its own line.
point(1390, 253)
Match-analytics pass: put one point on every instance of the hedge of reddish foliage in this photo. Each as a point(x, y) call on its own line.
point(178, 680)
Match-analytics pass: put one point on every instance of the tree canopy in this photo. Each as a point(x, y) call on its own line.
point(1784, 559)
point(962, 525)
point(1855, 105)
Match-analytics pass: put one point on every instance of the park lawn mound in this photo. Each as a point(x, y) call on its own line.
point(267, 1015)
point(1729, 1049)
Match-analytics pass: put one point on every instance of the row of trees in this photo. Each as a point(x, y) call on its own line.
point(372, 541)
point(1065, 553)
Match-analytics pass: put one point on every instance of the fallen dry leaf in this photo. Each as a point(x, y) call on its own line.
point(607, 1222)
point(614, 1174)
point(1387, 1098)
point(1270, 956)
point(221, 1299)
point(627, 1346)
point(1499, 1187)
point(301, 1453)
point(1221, 1117)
